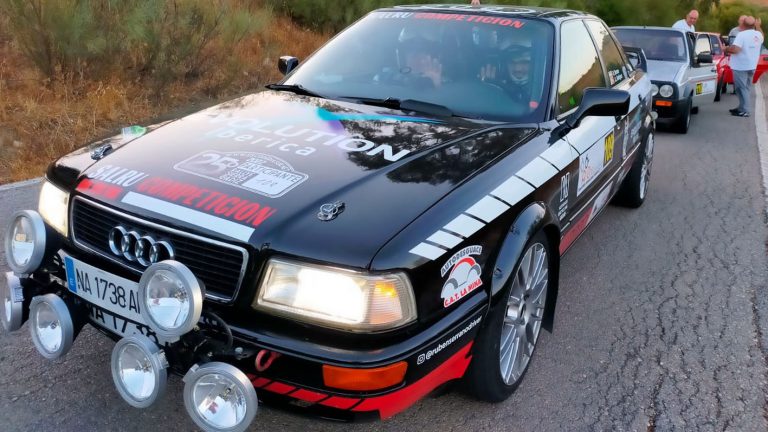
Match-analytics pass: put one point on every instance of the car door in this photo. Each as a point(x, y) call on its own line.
point(594, 139)
point(618, 72)
point(701, 78)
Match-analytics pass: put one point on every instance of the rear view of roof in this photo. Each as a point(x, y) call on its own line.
point(523, 11)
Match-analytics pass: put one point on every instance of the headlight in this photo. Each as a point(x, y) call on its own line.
point(53, 206)
point(666, 91)
point(654, 90)
point(172, 298)
point(25, 242)
point(336, 297)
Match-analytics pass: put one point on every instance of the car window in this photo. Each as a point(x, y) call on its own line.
point(614, 62)
point(703, 45)
point(478, 66)
point(579, 65)
point(717, 48)
point(664, 45)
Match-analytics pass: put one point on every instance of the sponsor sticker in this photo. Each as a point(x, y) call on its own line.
point(591, 164)
point(463, 275)
point(609, 141)
point(600, 201)
point(260, 173)
point(427, 355)
point(565, 180)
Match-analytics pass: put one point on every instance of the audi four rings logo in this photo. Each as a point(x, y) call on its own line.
point(140, 248)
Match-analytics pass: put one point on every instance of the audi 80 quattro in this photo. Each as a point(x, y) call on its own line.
point(682, 81)
point(388, 218)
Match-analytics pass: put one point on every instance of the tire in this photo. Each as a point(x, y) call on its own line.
point(683, 121)
point(634, 189)
point(694, 110)
point(486, 378)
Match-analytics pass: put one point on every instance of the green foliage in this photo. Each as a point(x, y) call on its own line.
point(158, 40)
point(333, 15)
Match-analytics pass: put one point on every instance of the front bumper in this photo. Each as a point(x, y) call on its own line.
point(434, 355)
point(669, 109)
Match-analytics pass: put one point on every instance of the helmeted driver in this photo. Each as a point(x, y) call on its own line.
point(515, 74)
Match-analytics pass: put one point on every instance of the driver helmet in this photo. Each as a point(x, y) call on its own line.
point(517, 53)
point(416, 39)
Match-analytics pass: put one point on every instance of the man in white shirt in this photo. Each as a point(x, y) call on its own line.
point(687, 24)
point(745, 53)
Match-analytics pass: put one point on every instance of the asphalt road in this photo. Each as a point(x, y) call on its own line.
point(662, 321)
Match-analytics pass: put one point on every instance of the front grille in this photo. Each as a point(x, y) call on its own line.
point(220, 266)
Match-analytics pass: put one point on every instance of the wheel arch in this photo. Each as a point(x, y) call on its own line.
point(534, 218)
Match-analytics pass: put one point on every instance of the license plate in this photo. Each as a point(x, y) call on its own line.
point(121, 326)
point(113, 293)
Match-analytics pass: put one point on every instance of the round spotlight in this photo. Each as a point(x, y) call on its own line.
point(51, 326)
point(666, 91)
point(219, 397)
point(172, 298)
point(139, 370)
point(654, 89)
point(25, 242)
point(12, 296)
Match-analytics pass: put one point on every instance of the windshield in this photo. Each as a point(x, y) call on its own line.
point(667, 45)
point(478, 66)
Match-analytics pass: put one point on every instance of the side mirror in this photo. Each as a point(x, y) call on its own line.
point(600, 102)
point(704, 58)
point(286, 64)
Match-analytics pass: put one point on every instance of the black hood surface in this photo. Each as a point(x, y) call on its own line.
point(258, 169)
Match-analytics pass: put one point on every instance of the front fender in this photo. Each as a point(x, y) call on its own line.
point(530, 221)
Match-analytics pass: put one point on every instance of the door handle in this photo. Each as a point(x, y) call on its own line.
point(713, 70)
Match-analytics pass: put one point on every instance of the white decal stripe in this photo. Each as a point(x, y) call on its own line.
point(445, 239)
point(560, 154)
point(428, 251)
point(464, 225)
point(512, 190)
point(537, 172)
point(488, 209)
point(213, 223)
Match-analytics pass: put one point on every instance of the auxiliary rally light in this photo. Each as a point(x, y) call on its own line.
point(12, 297)
point(51, 326)
point(219, 397)
point(172, 298)
point(25, 242)
point(139, 370)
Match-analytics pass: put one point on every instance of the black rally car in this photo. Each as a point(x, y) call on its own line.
point(387, 219)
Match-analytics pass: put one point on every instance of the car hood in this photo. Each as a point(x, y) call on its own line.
point(303, 176)
point(667, 71)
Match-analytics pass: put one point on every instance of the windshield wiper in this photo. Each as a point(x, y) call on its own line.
point(406, 105)
point(294, 88)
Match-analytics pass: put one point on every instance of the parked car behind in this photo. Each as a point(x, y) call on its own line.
point(388, 218)
point(682, 81)
point(762, 67)
point(711, 43)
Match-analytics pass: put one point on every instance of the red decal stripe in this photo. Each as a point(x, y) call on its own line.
point(260, 382)
point(280, 388)
point(340, 402)
point(574, 231)
point(99, 189)
point(308, 395)
point(395, 402)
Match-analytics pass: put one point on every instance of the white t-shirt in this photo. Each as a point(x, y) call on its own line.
point(750, 42)
point(682, 25)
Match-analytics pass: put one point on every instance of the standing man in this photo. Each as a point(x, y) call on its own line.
point(745, 53)
point(687, 24)
point(736, 30)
